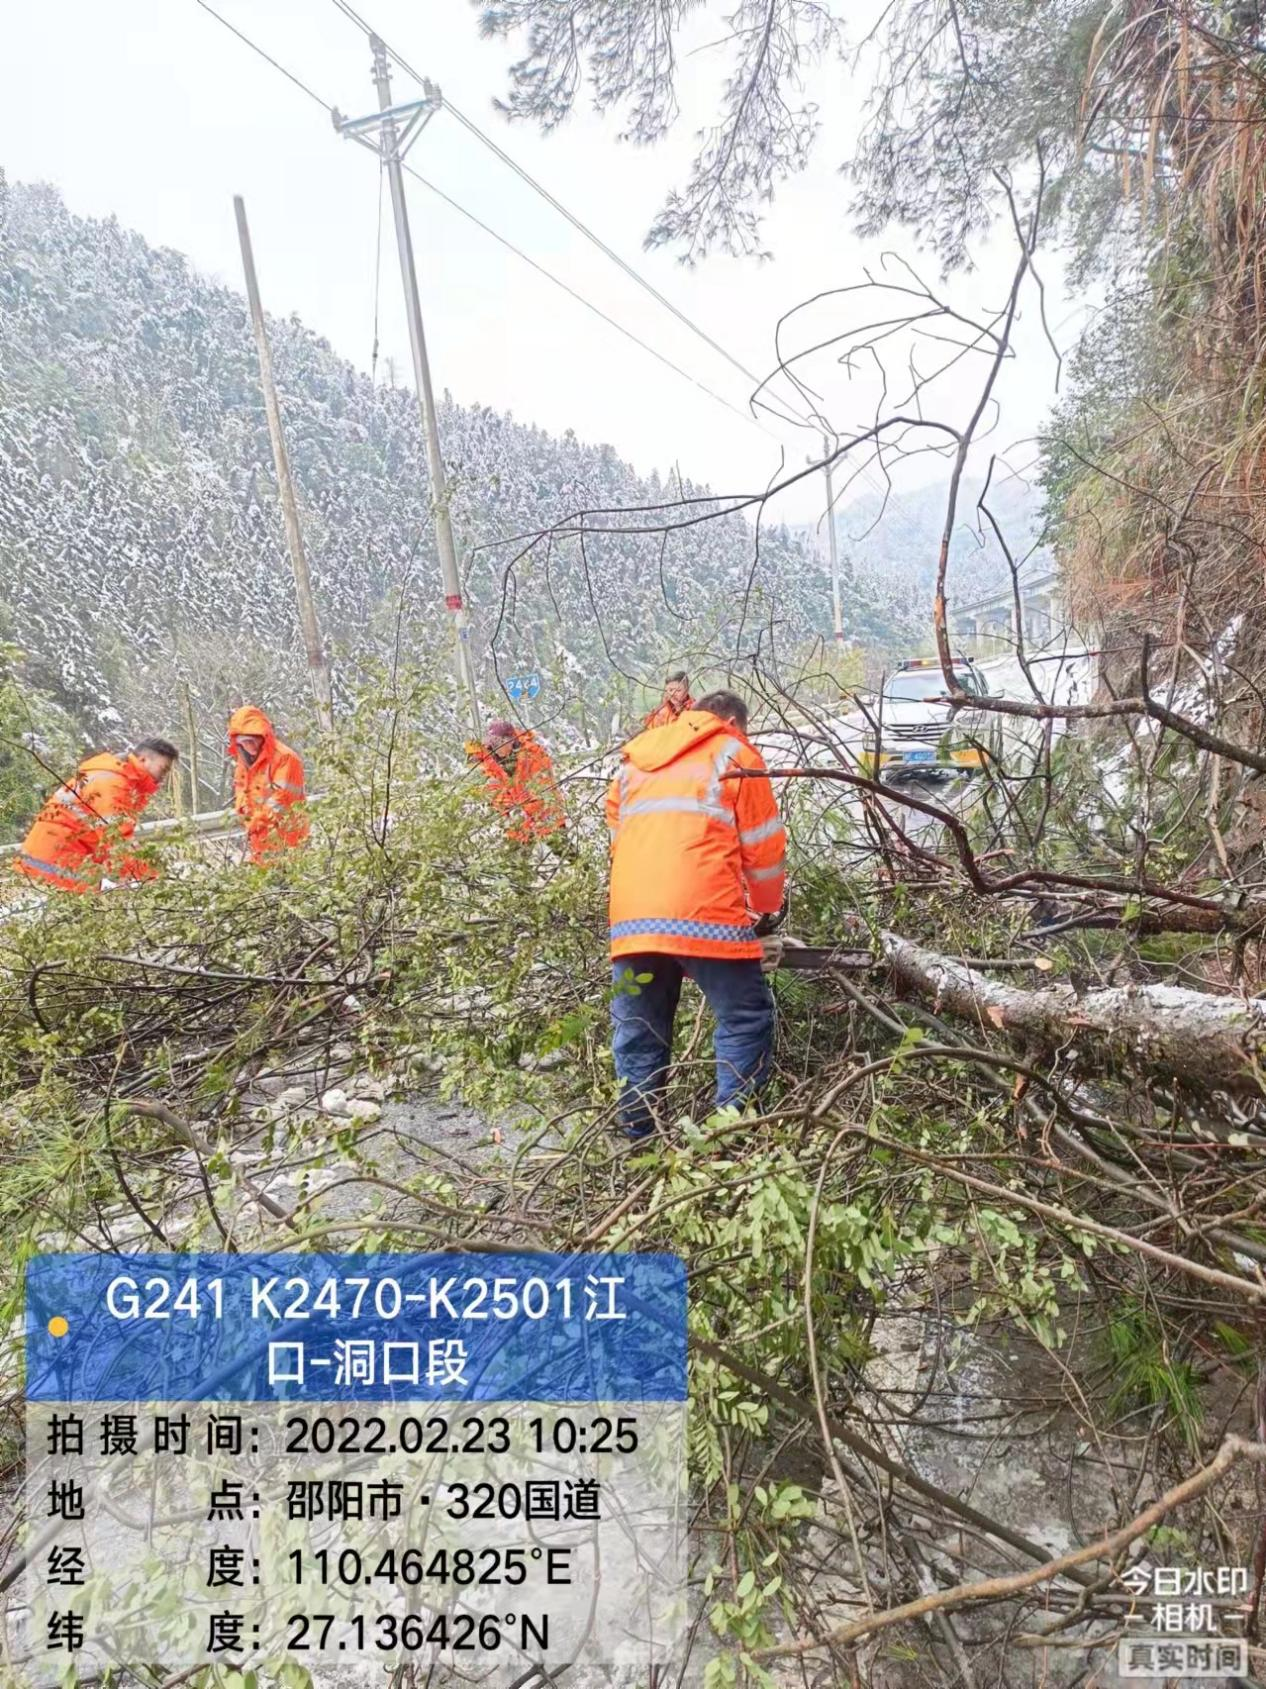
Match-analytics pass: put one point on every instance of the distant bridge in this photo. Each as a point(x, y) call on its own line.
point(988, 627)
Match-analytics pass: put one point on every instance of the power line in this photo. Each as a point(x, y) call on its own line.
point(576, 222)
point(597, 241)
point(267, 57)
point(886, 493)
point(580, 298)
point(572, 293)
point(796, 416)
point(788, 413)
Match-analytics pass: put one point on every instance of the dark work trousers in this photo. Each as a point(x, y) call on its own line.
point(740, 999)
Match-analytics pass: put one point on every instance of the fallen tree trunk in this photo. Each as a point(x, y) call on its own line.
point(1201, 1039)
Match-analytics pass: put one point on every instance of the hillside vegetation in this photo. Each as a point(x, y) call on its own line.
point(140, 537)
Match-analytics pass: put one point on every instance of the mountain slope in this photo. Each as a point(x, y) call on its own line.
point(141, 543)
point(888, 549)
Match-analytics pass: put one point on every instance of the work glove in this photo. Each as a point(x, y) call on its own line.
point(772, 946)
point(767, 924)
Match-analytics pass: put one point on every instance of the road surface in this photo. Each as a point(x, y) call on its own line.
point(1064, 677)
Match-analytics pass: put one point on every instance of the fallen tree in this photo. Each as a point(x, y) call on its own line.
point(1198, 1038)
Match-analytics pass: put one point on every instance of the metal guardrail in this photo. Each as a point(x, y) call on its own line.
point(211, 823)
point(206, 821)
point(217, 823)
point(580, 767)
point(205, 825)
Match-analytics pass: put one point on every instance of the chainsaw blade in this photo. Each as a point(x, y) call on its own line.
point(814, 958)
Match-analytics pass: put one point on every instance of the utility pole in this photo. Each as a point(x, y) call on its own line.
point(391, 148)
point(191, 737)
point(318, 668)
point(832, 542)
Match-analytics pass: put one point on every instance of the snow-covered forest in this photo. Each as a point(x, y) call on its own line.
point(141, 539)
point(140, 536)
point(891, 543)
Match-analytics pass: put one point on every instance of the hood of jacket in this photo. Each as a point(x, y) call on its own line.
point(135, 773)
point(659, 746)
point(249, 719)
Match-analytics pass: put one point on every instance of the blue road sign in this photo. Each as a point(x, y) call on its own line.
point(524, 685)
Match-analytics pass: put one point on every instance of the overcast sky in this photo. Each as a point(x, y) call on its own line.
point(152, 111)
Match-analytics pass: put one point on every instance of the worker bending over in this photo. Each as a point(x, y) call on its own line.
point(697, 871)
point(521, 783)
point(76, 840)
point(267, 785)
point(675, 701)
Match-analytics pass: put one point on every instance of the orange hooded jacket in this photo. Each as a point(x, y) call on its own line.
point(526, 793)
point(264, 791)
point(76, 836)
point(694, 856)
point(665, 714)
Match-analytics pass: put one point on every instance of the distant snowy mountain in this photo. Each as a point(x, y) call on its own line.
point(888, 550)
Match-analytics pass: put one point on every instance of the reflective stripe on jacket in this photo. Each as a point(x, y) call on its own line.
point(665, 714)
point(694, 855)
point(524, 793)
point(264, 791)
point(75, 838)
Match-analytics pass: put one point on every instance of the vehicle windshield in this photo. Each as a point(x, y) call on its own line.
point(921, 684)
point(918, 684)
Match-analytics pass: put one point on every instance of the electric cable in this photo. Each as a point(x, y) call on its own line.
point(541, 269)
point(795, 418)
point(564, 211)
point(267, 57)
point(580, 298)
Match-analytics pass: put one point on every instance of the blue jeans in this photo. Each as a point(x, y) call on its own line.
point(740, 999)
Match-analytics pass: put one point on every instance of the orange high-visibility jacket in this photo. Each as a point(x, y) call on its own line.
point(665, 714)
point(694, 856)
point(525, 793)
point(266, 790)
point(77, 834)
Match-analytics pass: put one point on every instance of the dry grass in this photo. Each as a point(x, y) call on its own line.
point(1168, 524)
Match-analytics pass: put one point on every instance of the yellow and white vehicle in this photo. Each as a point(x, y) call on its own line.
point(915, 733)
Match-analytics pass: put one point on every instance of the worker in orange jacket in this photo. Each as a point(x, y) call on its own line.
point(267, 785)
point(521, 783)
point(676, 699)
point(697, 875)
point(76, 840)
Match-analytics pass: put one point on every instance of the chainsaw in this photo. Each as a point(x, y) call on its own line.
point(822, 958)
point(812, 958)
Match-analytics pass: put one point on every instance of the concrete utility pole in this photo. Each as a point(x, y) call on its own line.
point(836, 608)
point(318, 668)
point(191, 747)
point(391, 149)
